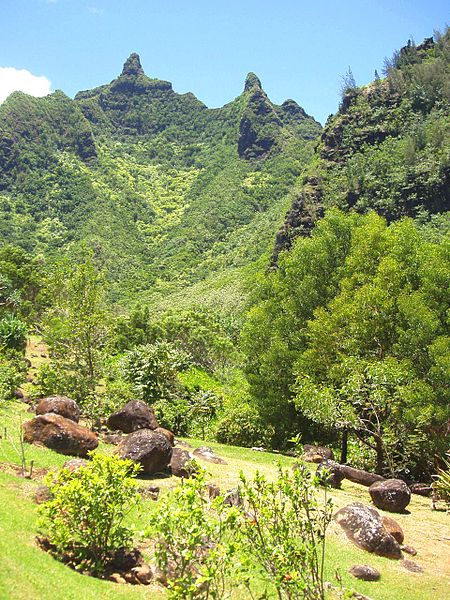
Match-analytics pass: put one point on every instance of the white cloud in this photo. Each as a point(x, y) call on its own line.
point(12, 80)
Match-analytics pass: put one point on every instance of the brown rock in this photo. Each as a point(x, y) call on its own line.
point(133, 416)
point(363, 526)
point(316, 454)
point(422, 489)
point(60, 434)
point(409, 550)
point(233, 498)
point(168, 434)
point(143, 574)
point(74, 464)
point(117, 578)
point(207, 454)
point(360, 476)
point(412, 566)
point(213, 491)
point(42, 494)
point(60, 405)
point(152, 450)
point(181, 463)
point(18, 394)
point(393, 528)
point(329, 473)
point(392, 495)
point(113, 438)
point(365, 573)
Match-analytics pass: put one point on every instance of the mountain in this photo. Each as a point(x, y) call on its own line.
point(386, 149)
point(169, 193)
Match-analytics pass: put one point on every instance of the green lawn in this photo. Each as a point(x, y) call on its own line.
point(28, 573)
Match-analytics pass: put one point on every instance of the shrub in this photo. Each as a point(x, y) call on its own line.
point(285, 532)
point(13, 333)
point(194, 548)
point(10, 378)
point(85, 517)
point(441, 485)
point(243, 426)
point(50, 380)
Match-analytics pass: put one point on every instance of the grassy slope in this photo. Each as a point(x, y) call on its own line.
point(27, 572)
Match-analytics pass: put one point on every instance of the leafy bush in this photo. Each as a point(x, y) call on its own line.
point(441, 485)
point(243, 426)
point(50, 380)
point(13, 333)
point(194, 548)
point(285, 532)
point(10, 379)
point(152, 370)
point(85, 517)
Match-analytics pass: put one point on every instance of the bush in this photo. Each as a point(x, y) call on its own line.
point(50, 380)
point(441, 485)
point(285, 532)
point(13, 333)
point(85, 517)
point(243, 426)
point(194, 546)
point(10, 379)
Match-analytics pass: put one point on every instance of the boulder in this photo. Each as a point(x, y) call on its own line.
point(181, 463)
point(394, 528)
point(364, 572)
point(207, 454)
point(113, 438)
point(42, 494)
point(316, 454)
point(60, 434)
point(133, 416)
point(74, 464)
point(213, 491)
point(412, 566)
point(151, 450)
point(409, 550)
point(422, 489)
point(329, 473)
point(392, 495)
point(363, 526)
point(232, 497)
point(360, 476)
point(59, 405)
point(168, 434)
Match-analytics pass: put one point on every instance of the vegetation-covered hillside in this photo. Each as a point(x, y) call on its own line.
point(167, 191)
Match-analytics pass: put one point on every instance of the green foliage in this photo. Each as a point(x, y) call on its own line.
point(10, 378)
point(242, 426)
point(76, 325)
point(13, 333)
point(195, 546)
point(284, 532)
point(441, 484)
point(85, 517)
point(358, 337)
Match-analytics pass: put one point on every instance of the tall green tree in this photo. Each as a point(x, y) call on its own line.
point(76, 326)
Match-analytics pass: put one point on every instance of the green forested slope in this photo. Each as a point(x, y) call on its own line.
point(167, 192)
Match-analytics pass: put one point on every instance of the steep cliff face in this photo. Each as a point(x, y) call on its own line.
point(386, 147)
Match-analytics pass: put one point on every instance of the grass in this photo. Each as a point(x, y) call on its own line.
point(26, 572)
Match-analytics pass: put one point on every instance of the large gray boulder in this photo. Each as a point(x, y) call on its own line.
point(364, 527)
point(60, 434)
point(59, 405)
point(316, 454)
point(392, 495)
point(151, 450)
point(133, 416)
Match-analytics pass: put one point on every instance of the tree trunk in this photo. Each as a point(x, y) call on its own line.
point(344, 446)
point(380, 455)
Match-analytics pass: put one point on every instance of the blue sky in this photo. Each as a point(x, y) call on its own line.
point(298, 48)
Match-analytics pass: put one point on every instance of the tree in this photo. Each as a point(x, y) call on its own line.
point(76, 327)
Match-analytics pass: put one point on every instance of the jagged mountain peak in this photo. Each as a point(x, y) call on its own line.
point(132, 65)
point(252, 81)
